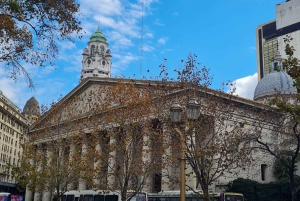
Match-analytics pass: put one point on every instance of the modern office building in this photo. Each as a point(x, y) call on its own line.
point(266, 46)
point(270, 35)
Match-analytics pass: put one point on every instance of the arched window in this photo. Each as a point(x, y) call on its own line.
point(93, 50)
point(102, 50)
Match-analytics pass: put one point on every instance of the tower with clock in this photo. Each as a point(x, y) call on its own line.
point(96, 60)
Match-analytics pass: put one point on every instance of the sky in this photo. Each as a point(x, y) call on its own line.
point(221, 34)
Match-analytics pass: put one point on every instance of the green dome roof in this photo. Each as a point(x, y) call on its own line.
point(98, 36)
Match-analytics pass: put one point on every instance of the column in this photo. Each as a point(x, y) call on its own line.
point(29, 193)
point(82, 183)
point(97, 166)
point(166, 158)
point(111, 165)
point(47, 195)
point(146, 158)
point(39, 166)
point(71, 162)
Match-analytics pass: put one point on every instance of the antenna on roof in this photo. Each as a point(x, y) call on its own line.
point(141, 47)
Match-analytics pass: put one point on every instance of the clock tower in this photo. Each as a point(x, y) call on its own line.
point(96, 60)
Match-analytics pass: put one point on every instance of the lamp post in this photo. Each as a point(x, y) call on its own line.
point(193, 112)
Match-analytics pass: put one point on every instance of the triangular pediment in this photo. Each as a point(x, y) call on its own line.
point(76, 103)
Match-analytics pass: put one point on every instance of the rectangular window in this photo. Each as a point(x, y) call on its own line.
point(263, 171)
point(99, 198)
point(111, 198)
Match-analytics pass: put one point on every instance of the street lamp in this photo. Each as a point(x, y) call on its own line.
point(193, 112)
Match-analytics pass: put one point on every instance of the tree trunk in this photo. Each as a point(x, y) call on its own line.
point(205, 195)
point(57, 194)
point(292, 185)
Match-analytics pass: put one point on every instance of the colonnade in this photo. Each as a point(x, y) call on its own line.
point(167, 172)
point(80, 184)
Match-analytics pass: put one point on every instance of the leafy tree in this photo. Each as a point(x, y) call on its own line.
point(214, 142)
point(30, 31)
point(244, 186)
point(253, 190)
point(286, 187)
point(280, 171)
point(49, 164)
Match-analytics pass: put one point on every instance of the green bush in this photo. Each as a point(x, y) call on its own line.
point(253, 190)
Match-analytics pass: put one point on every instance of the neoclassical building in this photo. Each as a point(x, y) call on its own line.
point(89, 125)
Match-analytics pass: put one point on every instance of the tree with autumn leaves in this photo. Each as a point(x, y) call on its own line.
point(129, 152)
point(30, 31)
point(44, 170)
point(214, 141)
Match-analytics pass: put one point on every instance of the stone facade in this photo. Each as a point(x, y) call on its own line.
point(13, 130)
point(86, 96)
point(96, 61)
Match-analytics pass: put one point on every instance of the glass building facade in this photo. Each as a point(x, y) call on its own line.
point(269, 52)
point(266, 46)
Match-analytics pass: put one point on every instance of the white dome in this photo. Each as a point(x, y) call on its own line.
point(274, 83)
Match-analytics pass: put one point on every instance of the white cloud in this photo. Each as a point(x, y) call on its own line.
point(123, 61)
point(166, 50)
point(44, 71)
point(66, 45)
point(14, 91)
point(147, 3)
point(148, 48)
point(9, 89)
point(162, 40)
point(157, 22)
point(176, 14)
point(45, 86)
point(149, 35)
point(107, 7)
point(120, 41)
point(125, 26)
point(245, 86)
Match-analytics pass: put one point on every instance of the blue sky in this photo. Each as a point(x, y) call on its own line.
point(221, 33)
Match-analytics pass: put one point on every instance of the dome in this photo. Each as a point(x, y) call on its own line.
point(274, 83)
point(32, 107)
point(98, 36)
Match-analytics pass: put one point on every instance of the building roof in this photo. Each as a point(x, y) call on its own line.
point(274, 83)
point(98, 36)
point(32, 107)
